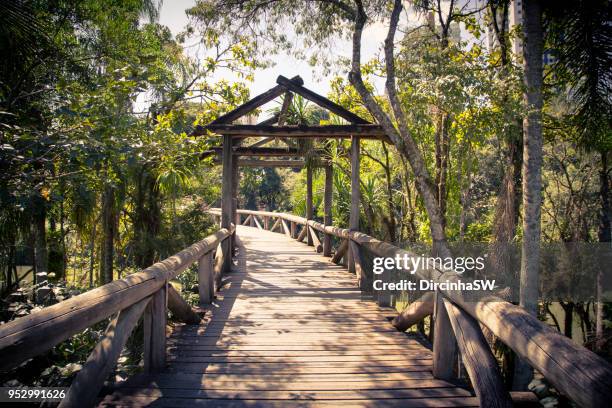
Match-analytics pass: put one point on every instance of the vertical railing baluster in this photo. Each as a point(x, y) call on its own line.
point(155, 331)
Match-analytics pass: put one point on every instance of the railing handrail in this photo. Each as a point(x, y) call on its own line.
point(34, 334)
point(573, 369)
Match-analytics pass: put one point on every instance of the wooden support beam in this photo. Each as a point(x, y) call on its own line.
point(479, 362)
point(206, 278)
point(295, 131)
point(89, 381)
point(302, 234)
point(257, 224)
point(270, 121)
point(247, 220)
point(266, 221)
point(252, 223)
point(415, 312)
point(155, 332)
point(268, 152)
point(218, 267)
point(293, 228)
point(180, 308)
point(262, 141)
point(276, 224)
point(309, 240)
point(227, 199)
point(319, 100)
point(340, 252)
point(286, 229)
point(252, 104)
point(444, 343)
point(315, 239)
point(360, 272)
point(355, 196)
point(327, 207)
point(296, 164)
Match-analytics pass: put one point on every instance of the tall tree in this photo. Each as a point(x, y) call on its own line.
point(532, 169)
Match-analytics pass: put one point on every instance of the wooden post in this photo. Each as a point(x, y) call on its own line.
point(155, 332)
point(103, 359)
point(252, 223)
point(235, 178)
point(327, 207)
point(355, 197)
point(362, 278)
point(218, 263)
point(227, 200)
point(384, 297)
point(478, 359)
point(308, 201)
point(444, 344)
point(266, 222)
point(293, 230)
point(206, 278)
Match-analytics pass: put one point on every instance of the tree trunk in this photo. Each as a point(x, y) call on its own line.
point(390, 218)
point(147, 219)
point(442, 142)
point(92, 254)
point(532, 169)
point(108, 234)
point(568, 319)
point(400, 135)
point(604, 235)
point(40, 238)
point(63, 239)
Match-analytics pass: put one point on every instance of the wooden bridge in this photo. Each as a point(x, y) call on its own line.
point(290, 317)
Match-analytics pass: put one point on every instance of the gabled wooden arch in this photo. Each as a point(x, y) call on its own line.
point(274, 127)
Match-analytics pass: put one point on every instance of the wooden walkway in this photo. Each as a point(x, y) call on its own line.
point(290, 329)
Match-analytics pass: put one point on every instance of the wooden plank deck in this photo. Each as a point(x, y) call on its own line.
point(291, 329)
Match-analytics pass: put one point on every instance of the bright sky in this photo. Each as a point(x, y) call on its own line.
point(173, 15)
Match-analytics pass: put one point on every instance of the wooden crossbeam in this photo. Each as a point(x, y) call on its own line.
point(368, 131)
point(261, 142)
point(267, 151)
point(320, 100)
point(271, 163)
point(270, 121)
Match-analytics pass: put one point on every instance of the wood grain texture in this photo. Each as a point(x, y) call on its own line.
point(290, 326)
point(478, 359)
point(155, 332)
point(103, 358)
point(180, 308)
point(36, 333)
point(444, 344)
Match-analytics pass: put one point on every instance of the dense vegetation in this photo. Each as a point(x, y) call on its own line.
point(99, 176)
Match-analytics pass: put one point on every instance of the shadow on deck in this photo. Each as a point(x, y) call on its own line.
point(289, 328)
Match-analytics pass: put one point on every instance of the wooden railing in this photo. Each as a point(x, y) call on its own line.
point(145, 293)
point(575, 371)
